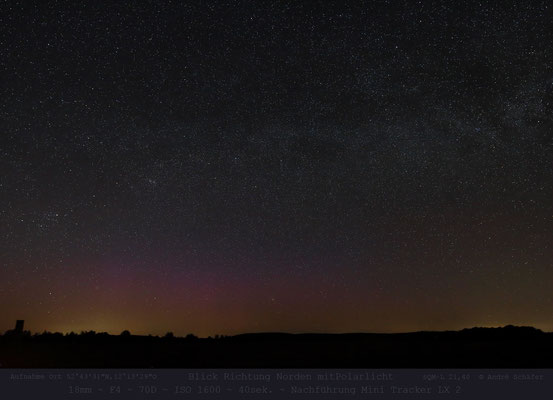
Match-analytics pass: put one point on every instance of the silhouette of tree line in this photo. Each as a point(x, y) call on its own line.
point(508, 346)
point(98, 335)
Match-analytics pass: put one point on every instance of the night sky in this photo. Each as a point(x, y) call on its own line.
point(219, 168)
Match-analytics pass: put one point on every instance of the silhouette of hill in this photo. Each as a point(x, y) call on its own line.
point(506, 347)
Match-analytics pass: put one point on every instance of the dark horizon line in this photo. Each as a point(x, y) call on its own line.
point(128, 333)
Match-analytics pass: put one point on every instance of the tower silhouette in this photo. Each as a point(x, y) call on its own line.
point(19, 324)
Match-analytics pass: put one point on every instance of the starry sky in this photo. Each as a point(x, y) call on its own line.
point(238, 166)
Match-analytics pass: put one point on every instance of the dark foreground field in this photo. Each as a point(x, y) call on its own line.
point(477, 347)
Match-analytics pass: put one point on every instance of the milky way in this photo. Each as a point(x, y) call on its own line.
point(262, 166)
